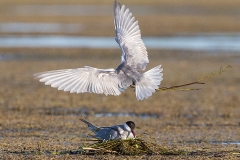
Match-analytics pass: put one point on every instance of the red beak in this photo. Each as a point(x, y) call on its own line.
point(133, 134)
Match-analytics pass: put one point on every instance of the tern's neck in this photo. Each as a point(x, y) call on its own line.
point(127, 127)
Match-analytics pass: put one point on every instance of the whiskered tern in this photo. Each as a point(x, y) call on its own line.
point(112, 81)
point(123, 131)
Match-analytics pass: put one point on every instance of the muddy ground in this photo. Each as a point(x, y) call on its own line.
point(40, 122)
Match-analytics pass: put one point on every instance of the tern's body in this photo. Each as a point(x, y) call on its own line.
point(112, 132)
point(113, 81)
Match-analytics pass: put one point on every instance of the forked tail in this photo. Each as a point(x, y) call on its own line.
point(150, 81)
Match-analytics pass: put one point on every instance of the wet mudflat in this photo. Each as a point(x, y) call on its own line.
point(40, 122)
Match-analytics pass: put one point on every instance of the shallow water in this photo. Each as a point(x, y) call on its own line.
point(223, 143)
point(208, 42)
point(85, 112)
point(226, 142)
point(39, 28)
point(119, 114)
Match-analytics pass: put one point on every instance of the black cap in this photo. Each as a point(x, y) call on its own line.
point(131, 124)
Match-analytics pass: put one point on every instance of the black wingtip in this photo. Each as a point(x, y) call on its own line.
point(116, 3)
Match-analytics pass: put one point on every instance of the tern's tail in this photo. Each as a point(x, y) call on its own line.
point(147, 85)
point(90, 126)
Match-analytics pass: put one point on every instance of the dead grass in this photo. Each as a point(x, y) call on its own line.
point(130, 147)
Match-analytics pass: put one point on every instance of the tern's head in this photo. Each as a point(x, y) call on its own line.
point(131, 124)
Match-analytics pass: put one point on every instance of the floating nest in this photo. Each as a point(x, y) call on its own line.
point(128, 147)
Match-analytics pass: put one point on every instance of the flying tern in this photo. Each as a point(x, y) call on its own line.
point(112, 81)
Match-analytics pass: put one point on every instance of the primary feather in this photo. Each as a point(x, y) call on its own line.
point(128, 37)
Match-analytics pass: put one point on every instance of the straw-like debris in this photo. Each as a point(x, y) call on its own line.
point(128, 147)
point(199, 81)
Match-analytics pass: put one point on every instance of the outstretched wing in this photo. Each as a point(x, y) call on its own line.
point(128, 37)
point(80, 80)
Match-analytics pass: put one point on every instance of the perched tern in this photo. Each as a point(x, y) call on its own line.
point(123, 131)
point(112, 81)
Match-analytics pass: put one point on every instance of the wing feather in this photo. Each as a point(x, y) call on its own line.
point(128, 36)
point(80, 80)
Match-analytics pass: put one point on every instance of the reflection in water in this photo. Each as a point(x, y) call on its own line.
point(218, 42)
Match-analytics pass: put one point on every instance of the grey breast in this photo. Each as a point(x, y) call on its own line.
point(125, 80)
point(127, 75)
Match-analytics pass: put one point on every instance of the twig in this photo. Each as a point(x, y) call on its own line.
point(214, 74)
point(199, 81)
point(178, 87)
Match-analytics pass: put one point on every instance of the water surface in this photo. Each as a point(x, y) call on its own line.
point(18, 27)
point(215, 42)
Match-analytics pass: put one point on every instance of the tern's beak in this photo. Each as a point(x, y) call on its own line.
point(133, 134)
